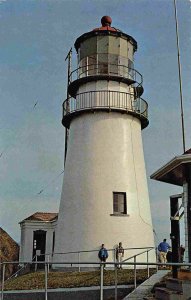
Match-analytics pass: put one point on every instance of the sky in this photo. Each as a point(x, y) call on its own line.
point(35, 37)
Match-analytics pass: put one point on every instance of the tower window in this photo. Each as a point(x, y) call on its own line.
point(119, 203)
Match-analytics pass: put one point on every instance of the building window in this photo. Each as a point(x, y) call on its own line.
point(119, 203)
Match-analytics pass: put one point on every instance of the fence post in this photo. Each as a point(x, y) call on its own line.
point(148, 274)
point(135, 273)
point(101, 281)
point(115, 281)
point(78, 261)
point(3, 281)
point(114, 254)
point(35, 263)
point(87, 66)
point(48, 263)
point(156, 258)
point(46, 282)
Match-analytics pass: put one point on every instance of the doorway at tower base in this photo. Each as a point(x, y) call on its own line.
point(88, 260)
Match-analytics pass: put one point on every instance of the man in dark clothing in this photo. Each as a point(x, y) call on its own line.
point(103, 254)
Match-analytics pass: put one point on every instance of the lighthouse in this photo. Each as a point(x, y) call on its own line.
point(104, 195)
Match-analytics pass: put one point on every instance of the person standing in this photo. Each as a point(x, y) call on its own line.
point(163, 249)
point(120, 254)
point(181, 253)
point(103, 254)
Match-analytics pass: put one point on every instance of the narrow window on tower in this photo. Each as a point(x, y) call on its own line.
point(119, 203)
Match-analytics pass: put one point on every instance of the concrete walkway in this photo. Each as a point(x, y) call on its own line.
point(83, 293)
point(143, 289)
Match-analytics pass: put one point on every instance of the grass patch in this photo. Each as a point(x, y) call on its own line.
point(36, 280)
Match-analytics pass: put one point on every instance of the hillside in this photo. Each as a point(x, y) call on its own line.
point(9, 251)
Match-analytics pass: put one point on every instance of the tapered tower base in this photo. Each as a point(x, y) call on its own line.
point(104, 156)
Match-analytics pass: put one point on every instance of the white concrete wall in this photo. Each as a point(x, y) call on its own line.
point(26, 247)
point(105, 154)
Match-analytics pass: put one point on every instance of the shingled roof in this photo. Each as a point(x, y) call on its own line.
point(42, 216)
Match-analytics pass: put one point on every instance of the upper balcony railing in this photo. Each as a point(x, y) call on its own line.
point(105, 100)
point(107, 69)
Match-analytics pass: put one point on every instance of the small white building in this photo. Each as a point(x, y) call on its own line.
point(37, 233)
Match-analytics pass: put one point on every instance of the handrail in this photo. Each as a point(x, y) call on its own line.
point(47, 254)
point(14, 274)
point(135, 255)
point(96, 250)
point(93, 263)
point(100, 263)
point(105, 99)
point(85, 71)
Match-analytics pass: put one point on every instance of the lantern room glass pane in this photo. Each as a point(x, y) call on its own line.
point(123, 48)
point(114, 45)
point(92, 64)
point(102, 63)
point(130, 51)
point(102, 44)
point(88, 47)
point(131, 68)
point(123, 66)
point(113, 64)
point(82, 71)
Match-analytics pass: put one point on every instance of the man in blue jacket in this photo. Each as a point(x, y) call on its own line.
point(163, 248)
point(103, 254)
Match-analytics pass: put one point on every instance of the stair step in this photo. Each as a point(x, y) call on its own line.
point(182, 286)
point(184, 275)
point(174, 284)
point(166, 294)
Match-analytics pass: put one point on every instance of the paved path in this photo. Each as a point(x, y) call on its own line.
point(83, 293)
point(143, 289)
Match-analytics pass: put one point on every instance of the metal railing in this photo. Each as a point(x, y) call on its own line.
point(106, 69)
point(111, 252)
point(134, 257)
point(49, 257)
point(114, 264)
point(111, 100)
point(22, 268)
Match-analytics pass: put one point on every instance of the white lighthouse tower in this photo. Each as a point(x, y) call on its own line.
point(105, 195)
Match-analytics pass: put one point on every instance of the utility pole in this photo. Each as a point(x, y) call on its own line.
point(180, 78)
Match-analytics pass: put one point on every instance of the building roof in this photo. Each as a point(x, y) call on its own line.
point(106, 30)
point(42, 216)
point(174, 171)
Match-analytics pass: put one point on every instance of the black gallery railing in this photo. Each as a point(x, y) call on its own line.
point(111, 100)
point(108, 70)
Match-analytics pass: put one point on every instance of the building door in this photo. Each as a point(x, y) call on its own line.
point(39, 244)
